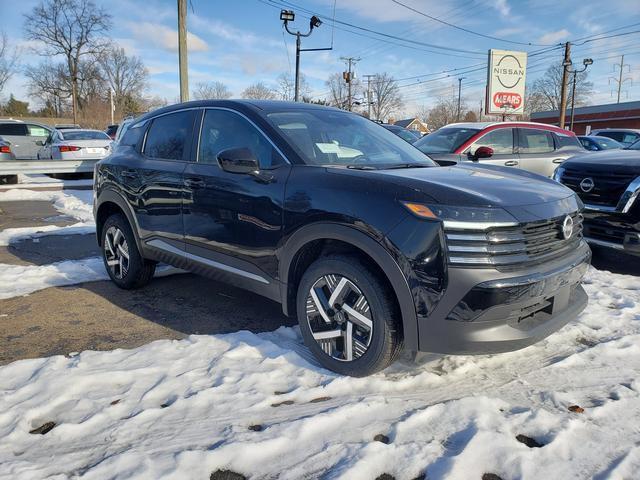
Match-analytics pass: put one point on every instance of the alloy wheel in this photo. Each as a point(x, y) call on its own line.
point(116, 251)
point(339, 317)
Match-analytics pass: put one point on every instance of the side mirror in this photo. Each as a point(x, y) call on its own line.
point(40, 143)
point(483, 152)
point(238, 160)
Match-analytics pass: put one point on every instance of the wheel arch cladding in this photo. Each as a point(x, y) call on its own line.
point(110, 203)
point(313, 241)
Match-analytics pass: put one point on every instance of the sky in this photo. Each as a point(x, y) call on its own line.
point(242, 42)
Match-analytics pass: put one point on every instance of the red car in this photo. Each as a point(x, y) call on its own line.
point(535, 147)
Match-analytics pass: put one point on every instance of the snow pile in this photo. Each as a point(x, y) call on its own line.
point(182, 409)
point(73, 203)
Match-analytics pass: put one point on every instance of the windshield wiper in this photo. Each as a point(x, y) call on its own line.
point(406, 165)
point(361, 167)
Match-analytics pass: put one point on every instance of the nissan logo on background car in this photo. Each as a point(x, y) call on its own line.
point(587, 184)
point(567, 227)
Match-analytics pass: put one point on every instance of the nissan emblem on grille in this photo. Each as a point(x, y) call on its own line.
point(567, 227)
point(587, 184)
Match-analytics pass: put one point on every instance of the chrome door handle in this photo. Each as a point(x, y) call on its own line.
point(558, 160)
point(511, 163)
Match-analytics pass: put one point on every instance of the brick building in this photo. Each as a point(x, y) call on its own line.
point(613, 115)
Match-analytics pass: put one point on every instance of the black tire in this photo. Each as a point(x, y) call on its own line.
point(385, 339)
point(138, 271)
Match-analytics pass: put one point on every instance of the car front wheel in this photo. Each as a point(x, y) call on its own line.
point(348, 316)
point(121, 257)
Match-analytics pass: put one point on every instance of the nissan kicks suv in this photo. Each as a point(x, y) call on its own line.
point(371, 244)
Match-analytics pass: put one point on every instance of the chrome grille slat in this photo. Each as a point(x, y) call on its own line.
point(512, 246)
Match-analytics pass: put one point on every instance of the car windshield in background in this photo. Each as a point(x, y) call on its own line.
point(608, 143)
point(634, 146)
point(445, 140)
point(85, 135)
point(324, 137)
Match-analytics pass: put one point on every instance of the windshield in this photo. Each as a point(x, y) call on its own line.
point(634, 146)
point(445, 140)
point(85, 135)
point(607, 143)
point(406, 135)
point(334, 138)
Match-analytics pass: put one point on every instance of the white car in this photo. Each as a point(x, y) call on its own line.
point(75, 144)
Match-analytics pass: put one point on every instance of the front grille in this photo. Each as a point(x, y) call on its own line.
point(508, 248)
point(608, 186)
point(599, 232)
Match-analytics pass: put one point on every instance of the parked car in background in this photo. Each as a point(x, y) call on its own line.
point(76, 145)
point(534, 147)
point(66, 126)
point(111, 131)
point(624, 136)
point(407, 135)
point(122, 128)
point(595, 144)
point(24, 137)
point(369, 242)
point(6, 155)
point(608, 183)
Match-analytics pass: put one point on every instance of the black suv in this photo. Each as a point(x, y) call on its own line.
point(608, 183)
point(366, 240)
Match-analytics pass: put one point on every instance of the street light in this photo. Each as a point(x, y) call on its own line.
point(586, 62)
point(288, 16)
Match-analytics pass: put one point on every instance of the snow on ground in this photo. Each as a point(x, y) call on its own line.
point(182, 409)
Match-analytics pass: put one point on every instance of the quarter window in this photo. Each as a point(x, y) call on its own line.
point(222, 130)
point(535, 141)
point(37, 131)
point(168, 135)
point(500, 140)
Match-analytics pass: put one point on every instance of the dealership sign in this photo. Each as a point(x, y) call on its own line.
point(505, 82)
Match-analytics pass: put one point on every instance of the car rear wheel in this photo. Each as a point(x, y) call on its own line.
point(348, 316)
point(121, 257)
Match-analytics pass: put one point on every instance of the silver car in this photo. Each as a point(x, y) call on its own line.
point(76, 144)
point(6, 154)
point(625, 136)
point(24, 137)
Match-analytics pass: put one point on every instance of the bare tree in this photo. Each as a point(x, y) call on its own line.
point(385, 96)
point(73, 29)
point(444, 112)
point(339, 90)
point(49, 83)
point(545, 91)
point(125, 75)
point(286, 88)
point(258, 91)
point(8, 60)
point(211, 91)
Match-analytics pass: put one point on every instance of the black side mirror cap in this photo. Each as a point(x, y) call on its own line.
point(238, 160)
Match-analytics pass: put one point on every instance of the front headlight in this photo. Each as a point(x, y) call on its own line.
point(477, 218)
point(557, 174)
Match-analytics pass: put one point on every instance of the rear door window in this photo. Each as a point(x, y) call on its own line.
point(168, 136)
point(535, 141)
point(500, 140)
point(13, 129)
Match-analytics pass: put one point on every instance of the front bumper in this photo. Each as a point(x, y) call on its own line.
point(486, 311)
point(613, 230)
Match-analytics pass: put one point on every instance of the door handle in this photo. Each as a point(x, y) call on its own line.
point(129, 173)
point(511, 163)
point(194, 183)
point(558, 160)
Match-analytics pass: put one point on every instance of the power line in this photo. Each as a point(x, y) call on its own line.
point(465, 29)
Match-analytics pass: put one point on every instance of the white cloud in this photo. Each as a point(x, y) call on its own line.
point(554, 37)
point(159, 35)
point(502, 7)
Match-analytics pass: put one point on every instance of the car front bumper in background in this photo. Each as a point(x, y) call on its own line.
point(487, 311)
point(613, 230)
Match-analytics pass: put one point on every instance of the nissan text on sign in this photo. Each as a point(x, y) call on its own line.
point(506, 78)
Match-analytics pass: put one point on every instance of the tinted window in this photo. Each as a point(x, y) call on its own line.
point(13, 129)
point(168, 135)
point(328, 137)
point(222, 130)
point(535, 141)
point(567, 141)
point(445, 140)
point(131, 136)
point(500, 140)
point(85, 135)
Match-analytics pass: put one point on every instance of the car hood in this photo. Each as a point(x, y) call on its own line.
point(624, 161)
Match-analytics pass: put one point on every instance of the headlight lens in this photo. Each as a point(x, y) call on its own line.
point(557, 173)
point(463, 217)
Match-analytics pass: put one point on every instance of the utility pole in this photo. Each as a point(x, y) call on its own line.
point(563, 88)
point(182, 50)
point(620, 81)
point(111, 105)
point(459, 96)
point(348, 76)
point(480, 112)
point(369, 77)
point(586, 62)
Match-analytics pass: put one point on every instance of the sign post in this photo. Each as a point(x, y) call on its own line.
point(506, 77)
